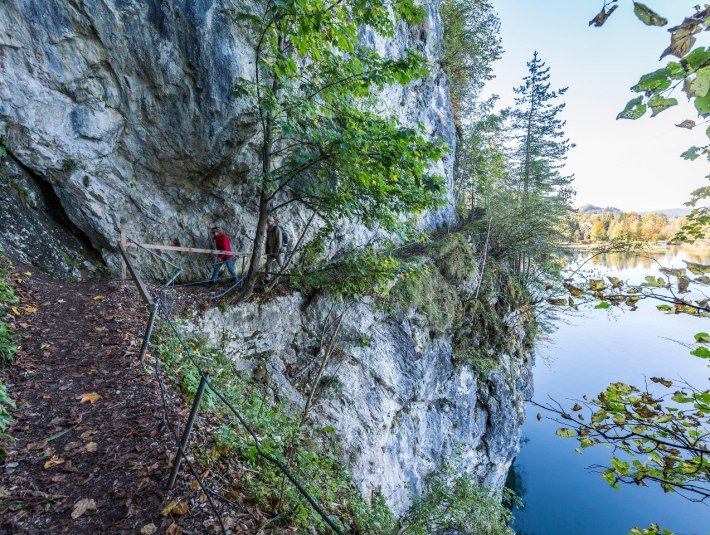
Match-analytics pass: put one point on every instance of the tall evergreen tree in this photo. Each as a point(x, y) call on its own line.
point(538, 159)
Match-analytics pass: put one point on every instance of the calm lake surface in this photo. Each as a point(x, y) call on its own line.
point(584, 355)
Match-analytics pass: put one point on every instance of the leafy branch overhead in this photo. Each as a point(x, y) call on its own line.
point(326, 143)
point(692, 70)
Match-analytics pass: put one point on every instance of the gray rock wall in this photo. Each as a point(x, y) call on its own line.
point(392, 392)
point(125, 107)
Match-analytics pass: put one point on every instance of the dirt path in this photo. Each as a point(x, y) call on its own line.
point(88, 432)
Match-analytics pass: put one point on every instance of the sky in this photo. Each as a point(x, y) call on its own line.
point(632, 165)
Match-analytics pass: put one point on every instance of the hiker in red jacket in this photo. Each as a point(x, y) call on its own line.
point(221, 242)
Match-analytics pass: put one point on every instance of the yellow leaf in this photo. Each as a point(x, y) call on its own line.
point(45, 346)
point(31, 310)
point(51, 463)
point(15, 311)
point(91, 397)
point(28, 273)
point(168, 508)
point(98, 297)
point(82, 506)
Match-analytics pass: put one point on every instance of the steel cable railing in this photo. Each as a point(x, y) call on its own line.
point(181, 444)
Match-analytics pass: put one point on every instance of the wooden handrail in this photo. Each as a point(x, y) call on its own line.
point(187, 249)
point(136, 279)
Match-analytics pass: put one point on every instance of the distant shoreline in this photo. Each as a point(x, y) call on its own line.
point(660, 246)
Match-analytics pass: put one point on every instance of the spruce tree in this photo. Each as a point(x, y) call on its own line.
point(539, 155)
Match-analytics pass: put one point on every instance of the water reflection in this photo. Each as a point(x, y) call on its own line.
point(583, 356)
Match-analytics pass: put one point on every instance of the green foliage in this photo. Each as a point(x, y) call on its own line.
point(325, 144)
point(485, 329)
point(692, 71)
point(455, 257)
point(429, 294)
point(472, 43)
point(5, 416)
point(653, 529)
point(3, 147)
point(312, 452)
point(8, 348)
point(656, 437)
point(453, 501)
point(360, 272)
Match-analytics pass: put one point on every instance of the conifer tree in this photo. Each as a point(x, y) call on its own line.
point(540, 152)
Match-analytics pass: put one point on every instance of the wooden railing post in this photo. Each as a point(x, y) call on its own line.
point(122, 244)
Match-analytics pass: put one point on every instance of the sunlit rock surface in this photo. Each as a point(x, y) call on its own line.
point(393, 393)
point(126, 108)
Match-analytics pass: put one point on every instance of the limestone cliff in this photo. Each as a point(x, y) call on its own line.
point(125, 109)
point(121, 113)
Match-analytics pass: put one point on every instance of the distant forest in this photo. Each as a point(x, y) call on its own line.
point(589, 225)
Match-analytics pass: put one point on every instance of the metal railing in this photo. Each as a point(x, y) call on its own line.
point(158, 310)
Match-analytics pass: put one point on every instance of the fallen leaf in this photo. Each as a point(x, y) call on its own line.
point(45, 346)
point(87, 434)
point(71, 445)
point(54, 461)
point(91, 397)
point(15, 311)
point(82, 506)
point(173, 529)
point(30, 310)
point(91, 447)
point(180, 509)
point(98, 297)
point(688, 123)
point(28, 273)
point(148, 529)
point(168, 508)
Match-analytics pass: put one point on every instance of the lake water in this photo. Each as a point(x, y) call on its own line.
point(561, 495)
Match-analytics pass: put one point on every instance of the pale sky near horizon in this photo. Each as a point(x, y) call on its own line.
point(632, 165)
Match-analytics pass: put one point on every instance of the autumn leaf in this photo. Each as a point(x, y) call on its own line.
point(90, 447)
point(173, 529)
point(15, 311)
point(91, 397)
point(577, 407)
point(174, 508)
point(98, 297)
point(602, 16)
point(149, 529)
point(688, 123)
point(661, 380)
point(30, 309)
point(573, 290)
point(27, 273)
point(82, 506)
point(51, 463)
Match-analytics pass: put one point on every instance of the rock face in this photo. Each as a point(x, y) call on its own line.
point(126, 109)
point(393, 393)
point(120, 113)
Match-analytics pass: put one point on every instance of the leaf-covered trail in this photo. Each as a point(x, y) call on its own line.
point(90, 452)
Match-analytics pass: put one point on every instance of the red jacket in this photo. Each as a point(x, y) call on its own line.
point(222, 244)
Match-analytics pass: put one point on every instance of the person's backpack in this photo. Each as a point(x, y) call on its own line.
point(285, 238)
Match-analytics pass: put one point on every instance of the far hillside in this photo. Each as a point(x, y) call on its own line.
point(594, 224)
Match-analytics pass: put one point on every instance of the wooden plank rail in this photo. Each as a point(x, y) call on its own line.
point(136, 279)
point(187, 249)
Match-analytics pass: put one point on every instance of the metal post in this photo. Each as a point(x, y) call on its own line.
point(186, 433)
point(149, 329)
